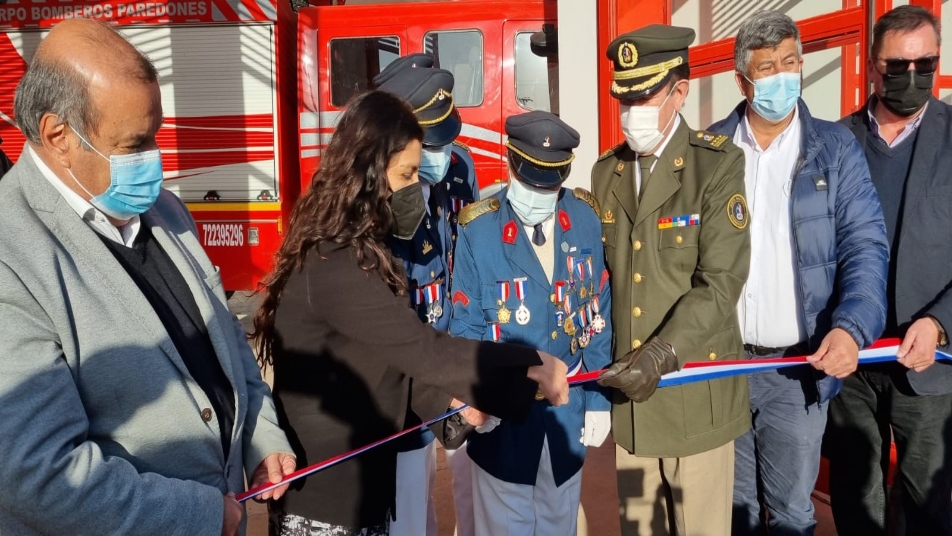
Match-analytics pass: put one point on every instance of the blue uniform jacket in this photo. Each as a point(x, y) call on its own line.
point(495, 247)
point(839, 236)
point(428, 256)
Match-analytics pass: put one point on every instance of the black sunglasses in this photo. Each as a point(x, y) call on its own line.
point(923, 65)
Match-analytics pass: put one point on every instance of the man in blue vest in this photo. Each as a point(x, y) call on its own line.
point(530, 269)
point(446, 173)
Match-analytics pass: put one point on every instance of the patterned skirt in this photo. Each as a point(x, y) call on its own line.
point(292, 525)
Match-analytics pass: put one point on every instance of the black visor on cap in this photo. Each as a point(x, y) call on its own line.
point(537, 176)
point(444, 132)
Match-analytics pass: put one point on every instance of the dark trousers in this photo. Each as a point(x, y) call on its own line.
point(874, 402)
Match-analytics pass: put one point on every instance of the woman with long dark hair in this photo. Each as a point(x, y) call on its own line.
point(352, 362)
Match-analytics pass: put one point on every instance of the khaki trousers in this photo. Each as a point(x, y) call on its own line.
point(688, 496)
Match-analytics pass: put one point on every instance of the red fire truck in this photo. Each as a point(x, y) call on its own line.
point(252, 89)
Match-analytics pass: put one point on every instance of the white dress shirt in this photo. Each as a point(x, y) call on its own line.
point(768, 310)
point(657, 153)
point(126, 234)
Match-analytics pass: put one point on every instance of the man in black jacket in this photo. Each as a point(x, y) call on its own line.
point(906, 134)
point(5, 162)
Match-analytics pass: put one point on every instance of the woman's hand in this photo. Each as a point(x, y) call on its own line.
point(551, 377)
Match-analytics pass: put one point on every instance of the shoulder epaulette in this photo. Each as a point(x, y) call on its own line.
point(475, 210)
point(462, 145)
point(710, 140)
point(611, 151)
point(584, 195)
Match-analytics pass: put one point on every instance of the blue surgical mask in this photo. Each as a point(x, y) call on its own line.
point(531, 205)
point(135, 183)
point(776, 95)
point(434, 163)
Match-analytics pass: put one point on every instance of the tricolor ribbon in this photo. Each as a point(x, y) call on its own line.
point(881, 351)
point(418, 296)
point(591, 274)
point(559, 291)
point(432, 293)
point(503, 290)
point(495, 331)
point(520, 288)
point(580, 269)
point(570, 264)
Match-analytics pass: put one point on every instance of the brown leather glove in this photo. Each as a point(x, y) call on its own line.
point(638, 373)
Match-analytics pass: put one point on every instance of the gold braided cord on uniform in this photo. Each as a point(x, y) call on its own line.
point(472, 211)
point(586, 196)
point(662, 67)
point(538, 162)
point(430, 122)
point(638, 87)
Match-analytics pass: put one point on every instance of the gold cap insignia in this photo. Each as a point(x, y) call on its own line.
point(627, 55)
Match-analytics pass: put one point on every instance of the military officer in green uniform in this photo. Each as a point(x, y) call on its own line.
point(677, 245)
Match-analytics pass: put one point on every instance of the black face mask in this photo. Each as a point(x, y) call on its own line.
point(904, 94)
point(408, 209)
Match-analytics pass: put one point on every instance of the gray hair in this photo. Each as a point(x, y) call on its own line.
point(52, 87)
point(764, 29)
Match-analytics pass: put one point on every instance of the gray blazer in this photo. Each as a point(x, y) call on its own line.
point(923, 263)
point(101, 425)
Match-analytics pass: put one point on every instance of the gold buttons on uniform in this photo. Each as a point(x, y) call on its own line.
point(555, 335)
point(552, 297)
point(433, 274)
point(636, 311)
point(207, 414)
point(678, 239)
point(635, 344)
point(712, 356)
point(637, 245)
point(637, 277)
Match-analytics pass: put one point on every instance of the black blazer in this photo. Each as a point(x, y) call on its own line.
point(355, 364)
point(923, 263)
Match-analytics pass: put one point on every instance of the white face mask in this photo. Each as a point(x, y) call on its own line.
point(531, 205)
point(640, 125)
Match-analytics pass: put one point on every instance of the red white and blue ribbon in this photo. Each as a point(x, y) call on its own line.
point(432, 293)
point(520, 288)
point(418, 296)
point(880, 351)
point(559, 292)
point(503, 290)
point(495, 331)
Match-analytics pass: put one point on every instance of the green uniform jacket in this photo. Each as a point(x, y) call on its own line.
point(680, 283)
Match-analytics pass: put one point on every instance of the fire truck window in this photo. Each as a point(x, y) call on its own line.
point(461, 53)
point(537, 77)
point(355, 61)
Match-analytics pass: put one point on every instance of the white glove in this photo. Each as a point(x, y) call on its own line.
point(491, 422)
point(597, 426)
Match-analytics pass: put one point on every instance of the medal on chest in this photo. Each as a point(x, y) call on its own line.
point(522, 313)
point(503, 314)
point(598, 323)
point(432, 294)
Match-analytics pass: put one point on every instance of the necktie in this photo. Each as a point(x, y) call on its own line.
point(538, 237)
point(645, 162)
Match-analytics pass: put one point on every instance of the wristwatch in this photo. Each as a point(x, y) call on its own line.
point(943, 338)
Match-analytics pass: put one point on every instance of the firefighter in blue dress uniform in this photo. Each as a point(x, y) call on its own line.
point(530, 269)
point(446, 175)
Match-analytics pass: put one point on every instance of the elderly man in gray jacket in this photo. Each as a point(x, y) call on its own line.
point(130, 402)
